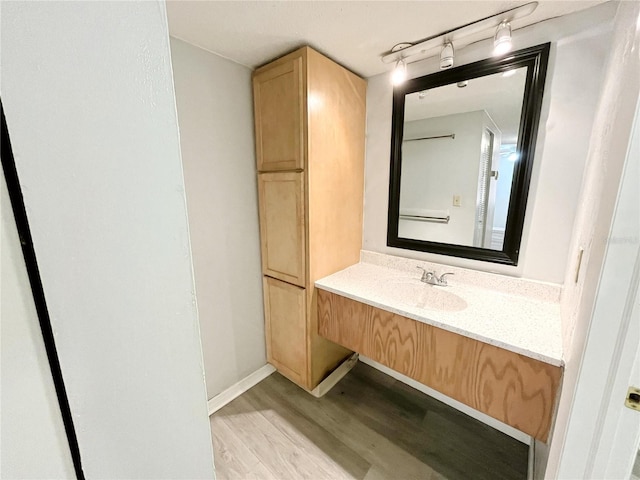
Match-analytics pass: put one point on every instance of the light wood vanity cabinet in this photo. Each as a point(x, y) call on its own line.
point(517, 390)
point(310, 126)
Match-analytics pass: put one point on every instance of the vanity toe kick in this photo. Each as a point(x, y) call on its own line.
point(513, 388)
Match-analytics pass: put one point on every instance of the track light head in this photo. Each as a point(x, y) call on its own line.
point(399, 74)
point(502, 38)
point(446, 56)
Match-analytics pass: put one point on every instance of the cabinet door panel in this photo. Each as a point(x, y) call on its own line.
point(282, 226)
point(286, 328)
point(278, 101)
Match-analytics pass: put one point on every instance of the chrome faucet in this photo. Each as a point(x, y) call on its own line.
point(432, 279)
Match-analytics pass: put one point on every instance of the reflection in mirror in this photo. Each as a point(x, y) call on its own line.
point(462, 152)
point(458, 151)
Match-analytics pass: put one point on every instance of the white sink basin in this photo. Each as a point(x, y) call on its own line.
point(430, 297)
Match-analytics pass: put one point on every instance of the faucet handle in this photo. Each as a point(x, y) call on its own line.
point(442, 280)
point(425, 275)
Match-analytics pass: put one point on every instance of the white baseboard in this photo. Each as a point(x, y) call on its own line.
point(531, 465)
point(216, 403)
point(492, 422)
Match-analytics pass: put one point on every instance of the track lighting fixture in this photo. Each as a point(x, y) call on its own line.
point(502, 38)
point(462, 36)
point(400, 72)
point(446, 56)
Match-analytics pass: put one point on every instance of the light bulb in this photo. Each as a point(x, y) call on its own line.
point(502, 38)
point(399, 74)
point(446, 56)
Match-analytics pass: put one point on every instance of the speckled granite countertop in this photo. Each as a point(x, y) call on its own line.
point(515, 314)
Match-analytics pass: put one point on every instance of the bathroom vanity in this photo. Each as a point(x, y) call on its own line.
point(488, 341)
point(491, 342)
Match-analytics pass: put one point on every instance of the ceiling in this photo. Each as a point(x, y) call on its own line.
point(499, 95)
point(354, 33)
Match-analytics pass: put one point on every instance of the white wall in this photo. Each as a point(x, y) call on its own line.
point(215, 114)
point(589, 438)
point(574, 80)
point(435, 170)
point(575, 423)
point(88, 94)
point(33, 439)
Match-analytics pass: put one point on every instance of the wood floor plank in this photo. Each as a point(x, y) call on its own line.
point(376, 473)
point(407, 397)
point(433, 432)
point(233, 460)
point(314, 439)
point(368, 427)
point(373, 447)
point(279, 454)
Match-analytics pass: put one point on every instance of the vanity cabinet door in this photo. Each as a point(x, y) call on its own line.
point(285, 308)
point(279, 116)
point(282, 226)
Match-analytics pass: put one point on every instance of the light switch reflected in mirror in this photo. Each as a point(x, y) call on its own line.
point(462, 151)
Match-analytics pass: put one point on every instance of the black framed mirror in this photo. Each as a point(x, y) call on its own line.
point(462, 148)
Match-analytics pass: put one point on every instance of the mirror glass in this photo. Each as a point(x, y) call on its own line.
point(462, 150)
point(458, 152)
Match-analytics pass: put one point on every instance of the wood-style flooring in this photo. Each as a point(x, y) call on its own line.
point(635, 473)
point(369, 426)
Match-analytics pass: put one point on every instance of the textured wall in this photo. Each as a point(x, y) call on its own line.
point(34, 442)
point(215, 113)
point(593, 307)
point(88, 94)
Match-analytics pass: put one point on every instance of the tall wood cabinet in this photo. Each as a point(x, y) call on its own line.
point(309, 127)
